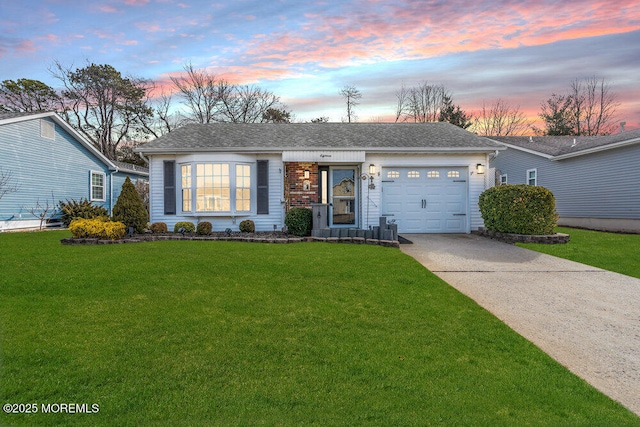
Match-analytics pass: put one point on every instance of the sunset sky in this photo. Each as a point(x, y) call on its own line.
point(305, 51)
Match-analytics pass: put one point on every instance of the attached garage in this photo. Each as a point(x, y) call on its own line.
point(426, 199)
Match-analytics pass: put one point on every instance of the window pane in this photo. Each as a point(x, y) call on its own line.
point(212, 187)
point(97, 186)
point(186, 187)
point(243, 188)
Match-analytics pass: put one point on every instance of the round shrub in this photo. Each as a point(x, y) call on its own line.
point(72, 209)
point(188, 227)
point(204, 228)
point(247, 226)
point(159, 227)
point(129, 208)
point(299, 221)
point(519, 209)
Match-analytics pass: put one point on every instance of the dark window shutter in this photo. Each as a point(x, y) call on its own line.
point(263, 186)
point(169, 187)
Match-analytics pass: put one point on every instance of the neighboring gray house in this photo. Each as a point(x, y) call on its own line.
point(592, 178)
point(424, 177)
point(46, 161)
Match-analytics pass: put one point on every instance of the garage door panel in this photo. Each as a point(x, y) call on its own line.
point(429, 203)
point(453, 225)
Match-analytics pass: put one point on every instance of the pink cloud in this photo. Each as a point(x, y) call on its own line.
point(413, 30)
point(107, 8)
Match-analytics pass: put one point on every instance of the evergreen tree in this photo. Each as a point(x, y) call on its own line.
point(453, 113)
point(129, 208)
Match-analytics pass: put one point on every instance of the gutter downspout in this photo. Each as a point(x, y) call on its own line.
point(111, 191)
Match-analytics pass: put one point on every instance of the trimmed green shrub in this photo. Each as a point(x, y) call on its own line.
point(188, 227)
point(159, 227)
point(299, 221)
point(73, 209)
point(129, 208)
point(247, 226)
point(204, 228)
point(519, 209)
point(96, 229)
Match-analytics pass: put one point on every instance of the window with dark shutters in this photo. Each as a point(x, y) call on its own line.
point(263, 186)
point(169, 187)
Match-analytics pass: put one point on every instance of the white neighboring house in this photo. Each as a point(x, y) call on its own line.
point(593, 178)
point(424, 177)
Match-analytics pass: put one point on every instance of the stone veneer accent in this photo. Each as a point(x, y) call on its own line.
point(524, 238)
point(294, 192)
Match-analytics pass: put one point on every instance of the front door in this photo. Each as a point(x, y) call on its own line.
point(342, 187)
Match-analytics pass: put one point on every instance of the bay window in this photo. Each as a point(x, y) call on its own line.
point(216, 187)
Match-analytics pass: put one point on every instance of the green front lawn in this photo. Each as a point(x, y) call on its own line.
point(228, 333)
point(610, 251)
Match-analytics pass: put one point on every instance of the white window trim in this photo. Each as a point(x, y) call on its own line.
point(535, 179)
point(506, 179)
point(104, 186)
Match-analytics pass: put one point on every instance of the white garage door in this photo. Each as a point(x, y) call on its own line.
point(426, 200)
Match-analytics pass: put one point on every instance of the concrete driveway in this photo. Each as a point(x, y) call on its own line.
point(586, 318)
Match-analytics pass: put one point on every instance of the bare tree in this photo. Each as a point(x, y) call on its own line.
point(422, 103)
point(165, 119)
point(402, 105)
point(210, 99)
point(44, 211)
point(247, 104)
point(593, 107)
point(200, 92)
point(7, 183)
point(500, 119)
point(352, 97)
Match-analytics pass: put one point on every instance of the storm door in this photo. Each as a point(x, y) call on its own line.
point(343, 196)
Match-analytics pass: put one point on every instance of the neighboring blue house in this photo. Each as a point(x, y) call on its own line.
point(44, 160)
point(593, 179)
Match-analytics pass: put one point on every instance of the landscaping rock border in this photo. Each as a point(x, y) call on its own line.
point(551, 239)
point(281, 238)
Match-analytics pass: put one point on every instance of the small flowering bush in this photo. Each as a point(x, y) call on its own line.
point(97, 229)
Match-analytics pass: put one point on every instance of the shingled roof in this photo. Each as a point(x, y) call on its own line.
point(569, 146)
point(269, 137)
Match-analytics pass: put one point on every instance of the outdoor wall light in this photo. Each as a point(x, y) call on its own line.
point(480, 168)
point(372, 169)
point(306, 174)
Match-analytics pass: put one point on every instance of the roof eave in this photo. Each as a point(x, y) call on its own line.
point(596, 149)
point(276, 150)
point(526, 150)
